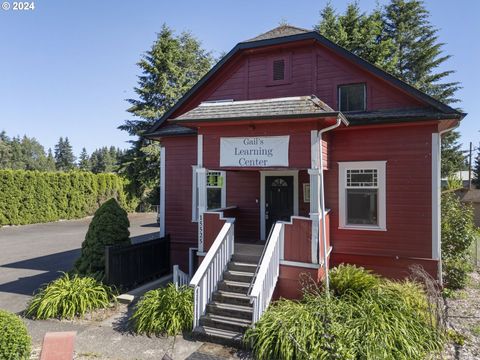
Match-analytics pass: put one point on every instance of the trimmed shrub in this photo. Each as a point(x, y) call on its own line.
point(374, 319)
point(458, 234)
point(165, 311)
point(69, 296)
point(28, 197)
point(15, 343)
point(109, 227)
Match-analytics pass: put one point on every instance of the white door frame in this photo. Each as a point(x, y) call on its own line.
point(263, 174)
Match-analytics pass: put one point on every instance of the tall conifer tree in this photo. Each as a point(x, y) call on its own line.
point(168, 70)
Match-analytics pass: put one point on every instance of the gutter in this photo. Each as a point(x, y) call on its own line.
point(321, 198)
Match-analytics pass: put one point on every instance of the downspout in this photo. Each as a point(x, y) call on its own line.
point(440, 267)
point(321, 198)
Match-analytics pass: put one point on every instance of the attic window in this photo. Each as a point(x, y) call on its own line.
point(278, 70)
point(352, 97)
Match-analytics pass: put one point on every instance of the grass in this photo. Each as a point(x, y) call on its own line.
point(68, 297)
point(165, 311)
point(364, 317)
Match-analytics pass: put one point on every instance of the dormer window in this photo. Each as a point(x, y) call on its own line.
point(352, 97)
point(279, 71)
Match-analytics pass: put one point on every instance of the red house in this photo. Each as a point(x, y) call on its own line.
point(292, 155)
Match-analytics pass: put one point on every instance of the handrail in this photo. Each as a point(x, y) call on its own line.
point(179, 277)
point(268, 271)
point(210, 272)
point(260, 261)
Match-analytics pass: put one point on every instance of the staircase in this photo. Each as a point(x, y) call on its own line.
point(230, 312)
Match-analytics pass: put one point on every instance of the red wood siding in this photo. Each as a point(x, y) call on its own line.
point(314, 70)
point(408, 190)
point(181, 154)
point(212, 224)
point(243, 191)
point(298, 240)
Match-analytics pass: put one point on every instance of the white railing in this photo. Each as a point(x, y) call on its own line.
point(179, 277)
point(266, 277)
point(210, 271)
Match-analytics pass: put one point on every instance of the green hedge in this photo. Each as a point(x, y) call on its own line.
point(28, 197)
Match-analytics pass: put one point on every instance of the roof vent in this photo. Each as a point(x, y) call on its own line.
point(278, 69)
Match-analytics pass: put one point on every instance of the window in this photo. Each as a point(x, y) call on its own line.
point(352, 97)
point(362, 195)
point(215, 190)
point(278, 69)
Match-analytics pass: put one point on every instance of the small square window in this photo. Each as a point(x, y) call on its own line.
point(215, 190)
point(352, 97)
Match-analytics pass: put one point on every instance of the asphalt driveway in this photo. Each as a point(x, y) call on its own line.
point(32, 255)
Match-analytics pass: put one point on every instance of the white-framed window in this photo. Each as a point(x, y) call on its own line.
point(216, 191)
point(362, 200)
point(216, 196)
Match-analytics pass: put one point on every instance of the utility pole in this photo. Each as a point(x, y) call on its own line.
point(470, 168)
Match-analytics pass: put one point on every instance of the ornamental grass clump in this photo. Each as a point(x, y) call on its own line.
point(15, 343)
point(364, 317)
point(165, 311)
point(68, 297)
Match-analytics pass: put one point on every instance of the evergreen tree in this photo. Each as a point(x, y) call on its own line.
point(407, 46)
point(84, 161)
point(169, 69)
point(50, 161)
point(5, 151)
point(64, 158)
point(109, 226)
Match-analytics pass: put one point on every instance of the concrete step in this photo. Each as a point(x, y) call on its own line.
point(225, 323)
point(219, 336)
point(240, 276)
point(234, 298)
point(230, 310)
point(234, 286)
point(246, 258)
point(239, 266)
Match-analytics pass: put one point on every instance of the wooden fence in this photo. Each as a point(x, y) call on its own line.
point(129, 265)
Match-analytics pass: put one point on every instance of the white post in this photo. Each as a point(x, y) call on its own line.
point(162, 191)
point(314, 173)
point(202, 204)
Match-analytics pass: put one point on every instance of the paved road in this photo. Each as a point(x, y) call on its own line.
point(32, 255)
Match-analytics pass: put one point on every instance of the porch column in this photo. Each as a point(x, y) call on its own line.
point(202, 204)
point(315, 184)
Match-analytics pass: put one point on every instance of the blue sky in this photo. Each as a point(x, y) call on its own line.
point(67, 67)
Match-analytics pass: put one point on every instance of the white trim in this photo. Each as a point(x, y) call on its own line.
point(162, 191)
point(300, 264)
point(380, 166)
point(263, 174)
point(436, 141)
point(194, 194)
point(200, 150)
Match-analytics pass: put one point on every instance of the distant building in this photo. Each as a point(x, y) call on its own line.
point(461, 175)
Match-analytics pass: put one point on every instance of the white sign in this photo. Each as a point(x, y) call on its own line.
point(264, 151)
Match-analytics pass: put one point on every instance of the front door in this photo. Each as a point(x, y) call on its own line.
point(278, 200)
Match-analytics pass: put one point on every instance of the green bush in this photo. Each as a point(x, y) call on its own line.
point(109, 227)
point(69, 296)
point(15, 342)
point(379, 319)
point(347, 277)
point(458, 234)
point(165, 311)
point(28, 197)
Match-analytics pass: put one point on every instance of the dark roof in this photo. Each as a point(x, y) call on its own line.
point(171, 130)
point(280, 31)
point(287, 107)
point(398, 115)
point(312, 35)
